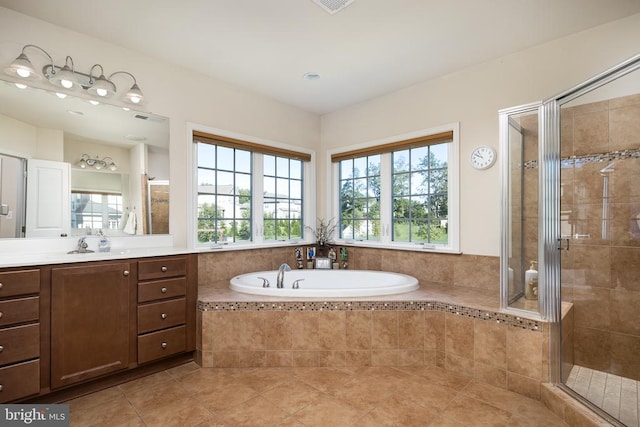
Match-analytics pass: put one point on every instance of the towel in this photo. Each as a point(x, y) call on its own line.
point(132, 223)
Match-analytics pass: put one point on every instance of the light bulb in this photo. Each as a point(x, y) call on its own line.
point(68, 84)
point(22, 72)
point(101, 92)
point(135, 99)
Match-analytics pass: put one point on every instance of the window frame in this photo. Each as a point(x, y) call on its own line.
point(257, 198)
point(386, 196)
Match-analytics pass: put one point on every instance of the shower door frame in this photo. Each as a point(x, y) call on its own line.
point(549, 238)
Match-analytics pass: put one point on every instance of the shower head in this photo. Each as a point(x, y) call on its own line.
point(607, 170)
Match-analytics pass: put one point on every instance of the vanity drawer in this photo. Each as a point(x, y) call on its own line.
point(19, 282)
point(18, 381)
point(161, 268)
point(19, 343)
point(162, 289)
point(160, 315)
point(157, 345)
point(19, 310)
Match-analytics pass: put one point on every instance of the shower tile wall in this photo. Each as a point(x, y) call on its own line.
point(600, 204)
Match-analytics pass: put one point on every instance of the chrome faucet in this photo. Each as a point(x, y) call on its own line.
point(280, 278)
point(82, 247)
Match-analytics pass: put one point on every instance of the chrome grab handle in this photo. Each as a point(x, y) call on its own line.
point(265, 282)
point(296, 284)
point(164, 345)
point(164, 269)
point(164, 290)
point(163, 315)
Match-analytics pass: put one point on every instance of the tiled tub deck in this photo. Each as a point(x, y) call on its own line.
point(457, 329)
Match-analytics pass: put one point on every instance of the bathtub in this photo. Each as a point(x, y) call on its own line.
point(326, 283)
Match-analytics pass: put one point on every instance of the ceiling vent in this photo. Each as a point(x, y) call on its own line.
point(333, 6)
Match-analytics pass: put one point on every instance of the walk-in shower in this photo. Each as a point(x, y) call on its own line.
point(571, 185)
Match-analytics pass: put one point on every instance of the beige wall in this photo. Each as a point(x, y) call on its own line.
point(473, 97)
point(183, 96)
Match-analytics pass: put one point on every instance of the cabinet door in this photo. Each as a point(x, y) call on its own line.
point(90, 319)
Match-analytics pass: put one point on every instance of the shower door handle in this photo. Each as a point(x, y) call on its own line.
point(563, 244)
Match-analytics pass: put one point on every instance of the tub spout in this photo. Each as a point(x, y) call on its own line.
point(280, 278)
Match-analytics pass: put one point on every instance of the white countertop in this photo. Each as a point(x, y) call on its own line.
point(45, 251)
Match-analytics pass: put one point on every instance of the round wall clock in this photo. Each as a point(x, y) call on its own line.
point(483, 157)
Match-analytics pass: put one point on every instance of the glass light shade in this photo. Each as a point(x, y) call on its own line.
point(22, 68)
point(65, 78)
point(134, 94)
point(102, 87)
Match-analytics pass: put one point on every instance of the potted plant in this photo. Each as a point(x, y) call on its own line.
point(324, 231)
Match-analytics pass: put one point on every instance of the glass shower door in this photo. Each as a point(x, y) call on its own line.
point(600, 226)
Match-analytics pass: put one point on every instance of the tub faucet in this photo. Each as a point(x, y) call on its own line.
point(280, 278)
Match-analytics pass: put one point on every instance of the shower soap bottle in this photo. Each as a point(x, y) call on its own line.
point(531, 282)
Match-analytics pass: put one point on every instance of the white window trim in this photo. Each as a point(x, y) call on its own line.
point(385, 198)
point(308, 195)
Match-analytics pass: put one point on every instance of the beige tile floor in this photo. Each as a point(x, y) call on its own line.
point(376, 396)
point(617, 395)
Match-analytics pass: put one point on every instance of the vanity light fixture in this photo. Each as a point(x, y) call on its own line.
point(67, 77)
point(97, 163)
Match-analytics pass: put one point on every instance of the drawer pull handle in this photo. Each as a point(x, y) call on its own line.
point(0, 315)
point(164, 269)
point(164, 315)
point(1, 387)
point(164, 345)
point(1, 348)
point(164, 290)
point(1, 285)
point(125, 273)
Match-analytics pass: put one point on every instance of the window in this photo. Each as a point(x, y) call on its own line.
point(399, 193)
point(224, 194)
point(360, 198)
point(248, 193)
point(282, 190)
point(96, 211)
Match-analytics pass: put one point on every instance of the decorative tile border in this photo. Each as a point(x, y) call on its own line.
point(517, 321)
point(567, 162)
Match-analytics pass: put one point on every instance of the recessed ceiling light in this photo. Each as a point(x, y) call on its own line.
point(312, 76)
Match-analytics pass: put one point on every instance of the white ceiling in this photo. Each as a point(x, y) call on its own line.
point(370, 48)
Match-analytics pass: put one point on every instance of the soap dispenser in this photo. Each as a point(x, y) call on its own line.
point(105, 244)
point(531, 282)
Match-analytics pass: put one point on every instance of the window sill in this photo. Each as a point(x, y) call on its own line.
point(414, 247)
point(226, 247)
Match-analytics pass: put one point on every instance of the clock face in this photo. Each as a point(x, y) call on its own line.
point(483, 157)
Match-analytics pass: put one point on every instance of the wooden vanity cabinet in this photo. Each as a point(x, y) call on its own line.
point(166, 307)
point(19, 334)
point(92, 313)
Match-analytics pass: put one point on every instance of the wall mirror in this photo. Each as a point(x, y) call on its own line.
point(122, 187)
